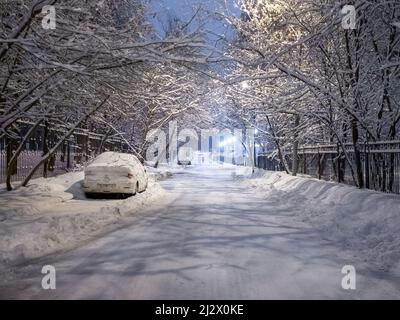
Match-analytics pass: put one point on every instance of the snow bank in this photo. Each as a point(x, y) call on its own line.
point(245, 172)
point(363, 220)
point(54, 214)
point(163, 171)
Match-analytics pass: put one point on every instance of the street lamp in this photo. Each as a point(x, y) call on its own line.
point(245, 85)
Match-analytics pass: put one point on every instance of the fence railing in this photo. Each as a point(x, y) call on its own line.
point(76, 151)
point(380, 163)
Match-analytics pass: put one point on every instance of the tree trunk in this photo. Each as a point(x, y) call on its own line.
point(45, 148)
point(295, 162)
point(357, 154)
point(278, 146)
point(11, 164)
point(13, 161)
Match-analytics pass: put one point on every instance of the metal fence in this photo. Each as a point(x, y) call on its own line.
point(380, 163)
point(75, 152)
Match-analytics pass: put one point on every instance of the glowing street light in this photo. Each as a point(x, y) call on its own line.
point(227, 142)
point(245, 85)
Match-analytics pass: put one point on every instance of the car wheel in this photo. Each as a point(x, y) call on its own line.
point(143, 189)
point(137, 188)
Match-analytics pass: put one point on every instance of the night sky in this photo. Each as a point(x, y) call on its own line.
point(162, 10)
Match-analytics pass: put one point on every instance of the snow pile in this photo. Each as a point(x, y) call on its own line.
point(246, 172)
point(54, 214)
point(162, 171)
point(363, 220)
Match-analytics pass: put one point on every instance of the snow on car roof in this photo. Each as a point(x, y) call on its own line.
point(115, 158)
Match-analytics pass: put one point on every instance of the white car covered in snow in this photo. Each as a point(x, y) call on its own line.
point(115, 173)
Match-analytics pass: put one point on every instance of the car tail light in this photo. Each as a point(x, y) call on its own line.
point(130, 175)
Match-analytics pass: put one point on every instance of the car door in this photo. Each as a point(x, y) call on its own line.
point(139, 171)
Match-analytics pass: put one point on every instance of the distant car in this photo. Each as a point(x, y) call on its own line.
point(184, 163)
point(115, 173)
point(185, 156)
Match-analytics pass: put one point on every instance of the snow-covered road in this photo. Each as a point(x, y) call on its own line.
point(210, 237)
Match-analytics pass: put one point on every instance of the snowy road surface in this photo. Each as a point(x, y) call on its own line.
point(211, 237)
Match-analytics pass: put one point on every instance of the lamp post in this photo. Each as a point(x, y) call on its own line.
point(255, 154)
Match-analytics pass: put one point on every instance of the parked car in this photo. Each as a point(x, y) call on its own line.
point(115, 173)
point(185, 156)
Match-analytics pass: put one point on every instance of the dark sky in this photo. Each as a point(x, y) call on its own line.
point(162, 10)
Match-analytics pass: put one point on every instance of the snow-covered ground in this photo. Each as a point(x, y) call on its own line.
point(53, 214)
point(222, 232)
point(364, 221)
point(163, 171)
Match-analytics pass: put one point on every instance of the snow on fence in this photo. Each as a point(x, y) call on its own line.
point(380, 163)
